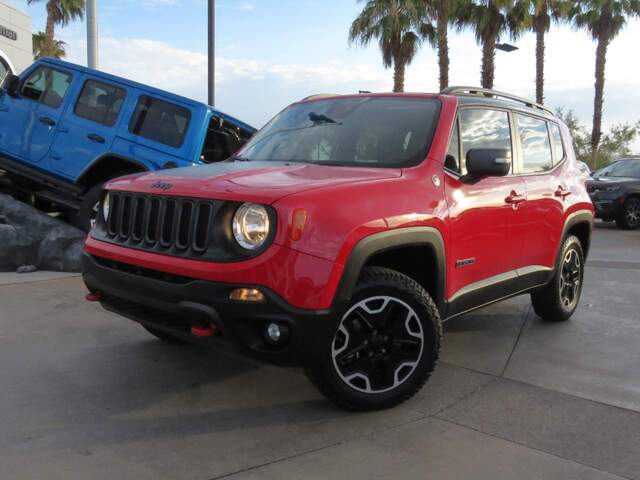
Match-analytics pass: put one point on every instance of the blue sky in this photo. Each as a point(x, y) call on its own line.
point(272, 52)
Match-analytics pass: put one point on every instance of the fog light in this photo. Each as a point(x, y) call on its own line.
point(276, 333)
point(247, 295)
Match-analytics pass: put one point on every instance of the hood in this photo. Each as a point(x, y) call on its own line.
point(610, 180)
point(259, 182)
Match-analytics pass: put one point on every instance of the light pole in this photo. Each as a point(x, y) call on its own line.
point(212, 51)
point(92, 34)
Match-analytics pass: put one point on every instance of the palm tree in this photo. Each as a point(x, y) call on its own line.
point(604, 20)
point(440, 12)
point(60, 12)
point(396, 25)
point(42, 48)
point(490, 19)
point(537, 15)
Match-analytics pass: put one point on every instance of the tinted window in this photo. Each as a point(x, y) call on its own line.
point(452, 160)
point(100, 103)
point(556, 138)
point(483, 128)
point(47, 86)
point(622, 168)
point(366, 131)
point(536, 146)
point(160, 121)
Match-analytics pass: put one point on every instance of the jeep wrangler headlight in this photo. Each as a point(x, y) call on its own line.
point(251, 226)
point(106, 205)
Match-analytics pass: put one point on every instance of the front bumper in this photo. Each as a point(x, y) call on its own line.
point(606, 209)
point(174, 303)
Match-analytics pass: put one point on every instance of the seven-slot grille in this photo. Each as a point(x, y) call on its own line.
point(180, 226)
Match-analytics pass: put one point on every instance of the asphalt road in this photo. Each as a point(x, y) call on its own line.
point(88, 395)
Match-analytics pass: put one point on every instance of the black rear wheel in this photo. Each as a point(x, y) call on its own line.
point(385, 346)
point(629, 218)
point(557, 300)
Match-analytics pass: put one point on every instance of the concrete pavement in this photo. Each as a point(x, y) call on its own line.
point(89, 395)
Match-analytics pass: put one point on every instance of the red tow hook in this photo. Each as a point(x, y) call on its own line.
point(94, 296)
point(204, 330)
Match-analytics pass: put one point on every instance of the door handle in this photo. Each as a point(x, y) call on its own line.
point(94, 137)
point(49, 122)
point(515, 199)
point(562, 192)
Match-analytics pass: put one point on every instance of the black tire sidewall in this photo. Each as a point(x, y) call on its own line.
point(360, 400)
point(622, 221)
point(83, 218)
point(571, 243)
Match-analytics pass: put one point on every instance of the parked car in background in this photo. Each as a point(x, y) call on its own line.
point(346, 230)
point(67, 129)
point(615, 192)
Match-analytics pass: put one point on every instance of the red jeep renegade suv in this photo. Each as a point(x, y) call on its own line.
point(343, 234)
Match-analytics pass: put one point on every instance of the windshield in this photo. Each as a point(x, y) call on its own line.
point(364, 131)
point(621, 168)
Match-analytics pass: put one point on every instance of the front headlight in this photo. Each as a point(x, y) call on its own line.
point(615, 188)
point(106, 205)
point(251, 226)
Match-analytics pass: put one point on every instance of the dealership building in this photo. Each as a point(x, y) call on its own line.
point(16, 51)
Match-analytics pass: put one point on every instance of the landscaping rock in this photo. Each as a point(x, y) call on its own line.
point(32, 238)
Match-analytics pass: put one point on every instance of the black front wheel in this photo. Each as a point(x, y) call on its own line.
point(86, 217)
point(557, 300)
point(385, 346)
point(629, 218)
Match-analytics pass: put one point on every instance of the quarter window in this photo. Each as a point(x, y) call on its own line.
point(556, 138)
point(536, 146)
point(4, 69)
point(160, 121)
point(452, 160)
point(100, 103)
point(47, 86)
point(484, 128)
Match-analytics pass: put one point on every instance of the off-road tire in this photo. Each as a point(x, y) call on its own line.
point(86, 213)
point(629, 218)
point(164, 336)
point(548, 301)
point(375, 283)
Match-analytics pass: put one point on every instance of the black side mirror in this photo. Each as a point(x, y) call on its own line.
point(488, 162)
point(11, 84)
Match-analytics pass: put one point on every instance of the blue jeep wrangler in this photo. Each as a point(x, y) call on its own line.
point(65, 130)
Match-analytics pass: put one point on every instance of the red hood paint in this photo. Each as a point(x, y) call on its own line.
point(259, 182)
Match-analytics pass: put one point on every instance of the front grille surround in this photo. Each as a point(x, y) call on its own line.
point(186, 227)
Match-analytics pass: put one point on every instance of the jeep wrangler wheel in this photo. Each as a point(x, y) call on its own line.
point(386, 344)
point(557, 300)
point(165, 337)
point(89, 209)
point(629, 218)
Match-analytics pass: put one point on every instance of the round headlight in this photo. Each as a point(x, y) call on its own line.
point(251, 226)
point(106, 205)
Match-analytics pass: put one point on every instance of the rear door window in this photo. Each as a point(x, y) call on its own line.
point(536, 145)
point(47, 86)
point(100, 103)
point(484, 128)
point(160, 121)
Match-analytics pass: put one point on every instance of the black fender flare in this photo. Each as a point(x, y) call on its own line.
point(573, 219)
point(95, 163)
point(380, 242)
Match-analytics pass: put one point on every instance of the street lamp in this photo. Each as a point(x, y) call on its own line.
point(506, 47)
point(92, 34)
point(212, 50)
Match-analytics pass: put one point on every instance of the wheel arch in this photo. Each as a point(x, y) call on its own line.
point(417, 252)
point(106, 167)
point(580, 224)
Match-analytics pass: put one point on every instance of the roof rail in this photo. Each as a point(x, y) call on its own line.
point(486, 92)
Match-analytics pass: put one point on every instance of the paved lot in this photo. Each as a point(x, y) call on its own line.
point(87, 395)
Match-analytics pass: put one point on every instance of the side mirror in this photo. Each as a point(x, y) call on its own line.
point(488, 162)
point(11, 84)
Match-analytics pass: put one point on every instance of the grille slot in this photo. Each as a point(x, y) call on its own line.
point(174, 225)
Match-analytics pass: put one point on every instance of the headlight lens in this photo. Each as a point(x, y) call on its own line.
point(251, 226)
point(612, 189)
point(106, 205)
